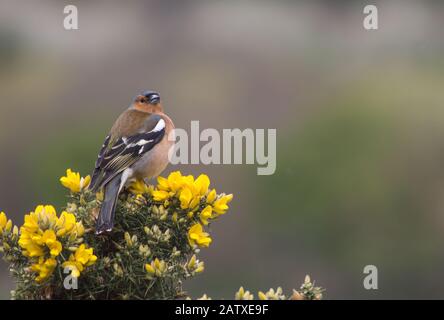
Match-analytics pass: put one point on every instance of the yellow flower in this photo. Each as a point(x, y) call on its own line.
point(42, 216)
point(150, 269)
point(42, 235)
point(156, 267)
point(50, 240)
point(75, 267)
point(272, 294)
point(31, 223)
point(162, 184)
point(196, 189)
point(200, 268)
point(8, 226)
point(192, 262)
point(45, 268)
point(172, 184)
point(65, 224)
point(262, 296)
point(211, 196)
point(31, 249)
point(82, 258)
point(188, 190)
point(160, 265)
point(74, 182)
point(42, 228)
point(5, 224)
point(243, 295)
point(79, 229)
point(220, 205)
point(175, 181)
point(140, 187)
point(3, 220)
point(206, 214)
point(196, 236)
point(47, 215)
point(201, 184)
point(160, 195)
point(34, 244)
point(185, 198)
point(85, 256)
point(195, 266)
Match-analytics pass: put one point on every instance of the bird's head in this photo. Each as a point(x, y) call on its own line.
point(148, 101)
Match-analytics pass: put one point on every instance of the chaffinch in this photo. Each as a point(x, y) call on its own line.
point(136, 148)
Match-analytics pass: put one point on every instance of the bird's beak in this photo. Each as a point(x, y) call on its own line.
point(154, 99)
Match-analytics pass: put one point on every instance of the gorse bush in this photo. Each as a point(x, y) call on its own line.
point(158, 232)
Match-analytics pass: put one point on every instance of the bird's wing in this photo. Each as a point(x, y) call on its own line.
point(118, 154)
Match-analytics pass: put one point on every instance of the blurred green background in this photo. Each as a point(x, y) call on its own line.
point(359, 116)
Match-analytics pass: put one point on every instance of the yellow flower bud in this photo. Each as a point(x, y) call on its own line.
point(192, 262)
point(155, 229)
point(157, 263)
point(144, 250)
point(118, 270)
point(211, 196)
point(149, 269)
point(3, 221)
point(128, 239)
point(241, 294)
point(199, 269)
point(140, 200)
point(262, 296)
point(100, 196)
point(8, 226)
point(175, 252)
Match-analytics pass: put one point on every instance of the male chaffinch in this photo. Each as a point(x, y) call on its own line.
point(136, 148)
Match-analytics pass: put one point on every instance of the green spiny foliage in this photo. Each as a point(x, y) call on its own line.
point(151, 250)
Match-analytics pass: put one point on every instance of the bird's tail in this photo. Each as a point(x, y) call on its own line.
point(105, 221)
